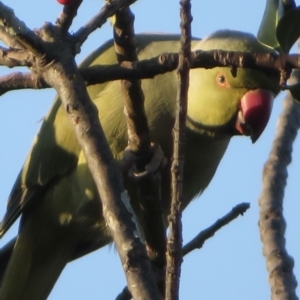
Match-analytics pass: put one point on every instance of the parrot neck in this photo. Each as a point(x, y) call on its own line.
point(212, 131)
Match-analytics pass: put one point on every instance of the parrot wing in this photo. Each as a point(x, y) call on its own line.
point(55, 149)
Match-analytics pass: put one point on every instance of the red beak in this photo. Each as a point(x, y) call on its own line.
point(254, 114)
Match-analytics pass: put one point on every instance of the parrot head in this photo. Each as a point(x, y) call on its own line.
point(237, 103)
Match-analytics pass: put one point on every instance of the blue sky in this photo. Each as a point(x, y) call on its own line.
point(231, 264)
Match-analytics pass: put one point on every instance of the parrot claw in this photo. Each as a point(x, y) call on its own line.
point(156, 163)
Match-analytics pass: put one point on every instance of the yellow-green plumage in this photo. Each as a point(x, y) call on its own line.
point(55, 193)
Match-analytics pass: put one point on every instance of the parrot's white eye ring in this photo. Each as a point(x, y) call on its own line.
point(222, 80)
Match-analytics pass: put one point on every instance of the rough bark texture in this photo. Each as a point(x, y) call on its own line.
point(140, 151)
point(174, 242)
point(272, 223)
point(84, 118)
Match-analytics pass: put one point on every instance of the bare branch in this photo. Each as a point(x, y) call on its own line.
point(84, 118)
point(200, 59)
point(65, 19)
point(108, 10)
point(19, 31)
point(168, 62)
point(16, 80)
point(198, 241)
point(174, 242)
point(8, 40)
point(272, 223)
point(15, 57)
point(139, 152)
point(147, 68)
point(137, 125)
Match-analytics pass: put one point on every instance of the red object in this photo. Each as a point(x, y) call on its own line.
point(65, 2)
point(255, 111)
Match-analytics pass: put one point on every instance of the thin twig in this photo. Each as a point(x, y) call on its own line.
point(65, 19)
point(165, 63)
point(198, 241)
point(174, 242)
point(108, 10)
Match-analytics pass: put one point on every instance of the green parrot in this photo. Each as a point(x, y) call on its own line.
point(55, 194)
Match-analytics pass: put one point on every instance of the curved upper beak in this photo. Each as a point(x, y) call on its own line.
point(254, 113)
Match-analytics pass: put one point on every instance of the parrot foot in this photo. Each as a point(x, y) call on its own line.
point(146, 173)
point(152, 167)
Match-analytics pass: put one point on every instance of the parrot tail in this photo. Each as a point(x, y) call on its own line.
point(33, 268)
point(5, 254)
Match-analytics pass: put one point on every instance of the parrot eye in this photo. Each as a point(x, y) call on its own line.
point(221, 80)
